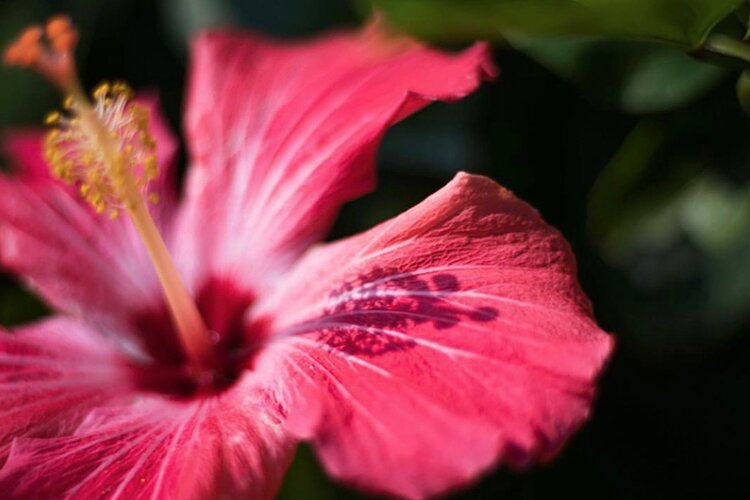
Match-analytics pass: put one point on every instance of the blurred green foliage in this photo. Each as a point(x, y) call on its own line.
point(681, 22)
point(637, 151)
point(681, 231)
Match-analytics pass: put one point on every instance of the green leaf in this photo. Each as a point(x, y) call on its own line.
point(663, 79)
point(635, 77)
point(682, 22)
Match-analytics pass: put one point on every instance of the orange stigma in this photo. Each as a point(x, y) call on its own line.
point(48, 50)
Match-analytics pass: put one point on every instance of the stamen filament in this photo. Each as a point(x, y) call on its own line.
point(192, 331)
point(102, 156)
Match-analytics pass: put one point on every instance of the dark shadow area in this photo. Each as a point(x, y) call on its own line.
point(222, 307)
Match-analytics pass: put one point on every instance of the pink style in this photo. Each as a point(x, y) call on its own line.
point(413, 357)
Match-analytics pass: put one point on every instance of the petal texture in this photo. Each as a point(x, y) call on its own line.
point(282, 134)
point(77, 261)
point(423, 351)
point(51, 374)
point(226, 446)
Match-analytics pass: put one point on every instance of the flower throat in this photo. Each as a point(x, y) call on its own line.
point(102, 145)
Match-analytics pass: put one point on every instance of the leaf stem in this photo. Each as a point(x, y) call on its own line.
point(727, 46)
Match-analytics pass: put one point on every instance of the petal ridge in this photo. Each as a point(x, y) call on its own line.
point(152, 448)
point(45, 389)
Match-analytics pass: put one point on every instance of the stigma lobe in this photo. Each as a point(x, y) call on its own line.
point(49, 50)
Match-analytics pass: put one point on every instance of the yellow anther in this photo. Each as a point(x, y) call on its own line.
point(106, 149)
point(52, 118)
point(122, 89)
point(154, 198)
point(101, 91)
point(151, 168)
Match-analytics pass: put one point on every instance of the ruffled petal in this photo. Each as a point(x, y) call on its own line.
point(282, 134)
point(79, 262)
point(227, 446)
point(422, 352)
point(51, 374)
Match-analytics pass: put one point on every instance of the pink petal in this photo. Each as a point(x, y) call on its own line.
point(282, 134)
point(51, 374)
point(422, 352)
point(226, 446)
point(24, 148)
point(78, 261)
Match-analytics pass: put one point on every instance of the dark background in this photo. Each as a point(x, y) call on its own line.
point(638, 154)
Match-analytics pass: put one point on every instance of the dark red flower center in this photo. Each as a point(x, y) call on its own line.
point(223, 308)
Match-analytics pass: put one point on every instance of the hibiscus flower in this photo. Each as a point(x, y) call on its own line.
point(195, 341)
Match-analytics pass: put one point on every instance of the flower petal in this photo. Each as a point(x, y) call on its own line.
point(282, 134)
point(51, 374)
point(219, 447)
point(423, 351)
point(79, 262)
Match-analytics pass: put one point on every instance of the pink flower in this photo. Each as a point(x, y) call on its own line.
point(413, 356)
